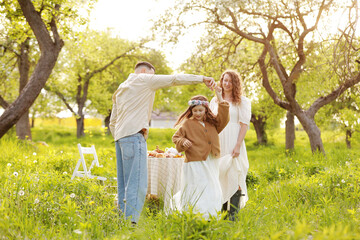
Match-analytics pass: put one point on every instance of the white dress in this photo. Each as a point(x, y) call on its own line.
point(233, 171)
point(200, 188)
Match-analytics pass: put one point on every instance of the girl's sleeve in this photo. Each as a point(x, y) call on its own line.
point(245, 111)
point(223, 116)
point(214, 106)
point(178, 138)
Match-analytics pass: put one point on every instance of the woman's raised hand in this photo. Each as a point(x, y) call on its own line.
point(218, 92)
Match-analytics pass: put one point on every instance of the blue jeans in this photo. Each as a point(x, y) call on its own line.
point(131, 155)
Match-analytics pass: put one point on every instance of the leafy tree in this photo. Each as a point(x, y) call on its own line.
point(89, 54)
point(92, 67)
point(267, 23)
point(24, 22)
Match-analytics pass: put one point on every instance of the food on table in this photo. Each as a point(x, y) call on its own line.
point(160, 155)
point(158, 150)
point(152, 154)
point(168, 153)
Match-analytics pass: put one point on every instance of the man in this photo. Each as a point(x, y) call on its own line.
point(129, 124)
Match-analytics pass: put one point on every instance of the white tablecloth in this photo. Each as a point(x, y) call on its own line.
point(164, 177)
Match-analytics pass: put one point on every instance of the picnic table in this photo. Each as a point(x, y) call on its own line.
point(164, 177)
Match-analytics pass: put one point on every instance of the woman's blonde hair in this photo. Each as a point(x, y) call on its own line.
point(237, 89)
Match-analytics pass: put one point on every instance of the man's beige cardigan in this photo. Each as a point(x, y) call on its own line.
point(205, 140)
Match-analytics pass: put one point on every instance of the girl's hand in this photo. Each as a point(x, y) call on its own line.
point(236, 151)
point(187, 143)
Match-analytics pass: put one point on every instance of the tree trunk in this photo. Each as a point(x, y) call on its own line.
point(80, 126)
point(107, 123)
point(259, 125)
point(289, 131)
point(50, 49)
point(33, 122)
point(23, 130)
point(348, 138)
point(23, 127)
point(312, 131)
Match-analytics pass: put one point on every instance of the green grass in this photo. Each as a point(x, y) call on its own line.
point(292, 195)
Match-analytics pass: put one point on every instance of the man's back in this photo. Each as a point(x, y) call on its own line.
point(134, 100)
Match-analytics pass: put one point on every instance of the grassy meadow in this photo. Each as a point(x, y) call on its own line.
point(292, 195)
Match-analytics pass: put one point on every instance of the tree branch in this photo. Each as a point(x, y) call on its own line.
point(3, 102)
point(54, 29)
point(110, 63)
point(62, 97)
point(233, 29)
point(332, 96)
point(266, 82)
point(296, 71)
point(37, 25)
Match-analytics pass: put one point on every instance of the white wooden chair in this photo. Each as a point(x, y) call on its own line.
point(86, 172)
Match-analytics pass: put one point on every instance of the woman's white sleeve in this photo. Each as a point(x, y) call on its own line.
point(245, 111)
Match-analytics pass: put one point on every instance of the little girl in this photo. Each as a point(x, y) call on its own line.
point(198, 137)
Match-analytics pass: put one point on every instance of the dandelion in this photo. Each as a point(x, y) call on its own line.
point(21, 193)
point(72, 195)
point(9, 164)
point(36, 201)
point(91, 203)
point(34, 153)
point(15, 174)
point(343, 181)
point(77, 231)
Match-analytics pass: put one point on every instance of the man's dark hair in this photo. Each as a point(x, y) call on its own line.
point(147, 64)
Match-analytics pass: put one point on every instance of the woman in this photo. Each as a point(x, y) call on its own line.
point(234, 162)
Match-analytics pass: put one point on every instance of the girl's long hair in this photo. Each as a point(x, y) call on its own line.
point(237, 90)
point(209, 116)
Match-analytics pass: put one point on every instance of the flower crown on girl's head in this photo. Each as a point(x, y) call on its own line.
point(198, 102)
